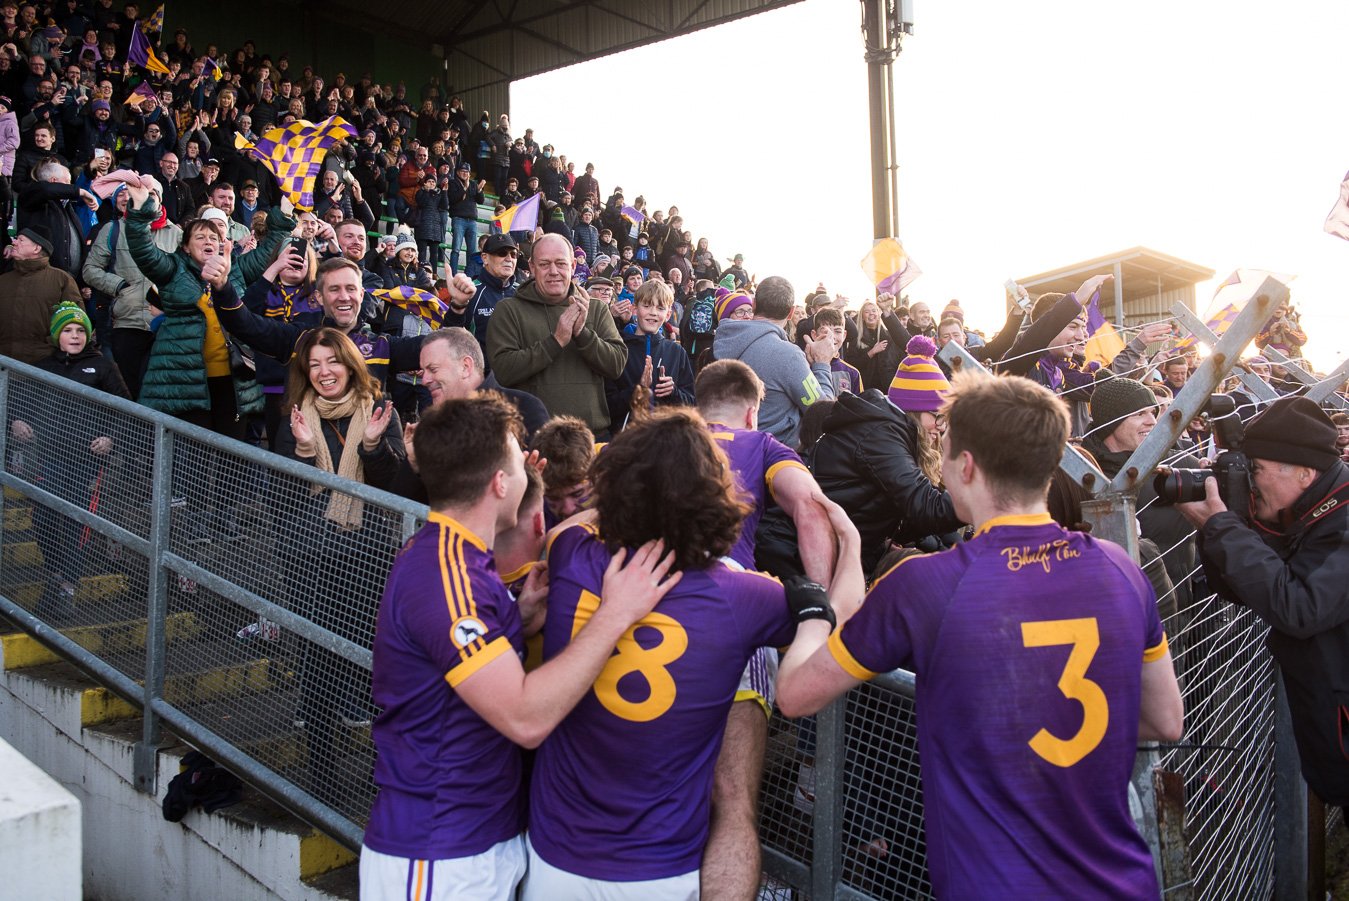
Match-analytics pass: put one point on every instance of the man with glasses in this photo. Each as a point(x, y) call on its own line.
point(497, 282)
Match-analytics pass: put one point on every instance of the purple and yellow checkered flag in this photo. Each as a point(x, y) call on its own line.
point(294, 154)
point(155, 24)
point(423, 304)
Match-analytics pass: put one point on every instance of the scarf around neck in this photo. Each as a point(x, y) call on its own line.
point(343, 509)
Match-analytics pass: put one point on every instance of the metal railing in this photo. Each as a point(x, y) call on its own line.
point(257, 650)
point(199, 578)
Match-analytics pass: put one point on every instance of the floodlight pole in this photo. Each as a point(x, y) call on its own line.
point(883, 23)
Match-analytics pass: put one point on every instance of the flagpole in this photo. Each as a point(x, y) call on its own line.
point(883, 22)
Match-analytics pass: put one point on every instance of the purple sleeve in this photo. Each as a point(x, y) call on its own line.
point(898, 619)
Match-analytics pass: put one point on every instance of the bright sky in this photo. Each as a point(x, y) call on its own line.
point(1031, 136)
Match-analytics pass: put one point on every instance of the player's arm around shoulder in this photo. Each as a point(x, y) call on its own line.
point(527, 707)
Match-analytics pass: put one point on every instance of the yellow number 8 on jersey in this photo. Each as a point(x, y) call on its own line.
point(631, 657)
point(1085, 638)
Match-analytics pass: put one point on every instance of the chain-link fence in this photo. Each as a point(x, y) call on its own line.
point(204, 580)
point(211, 582)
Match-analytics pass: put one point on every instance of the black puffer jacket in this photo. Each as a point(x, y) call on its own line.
point(1297, 580)
point(867, 463)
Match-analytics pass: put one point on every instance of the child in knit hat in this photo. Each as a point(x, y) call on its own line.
point(70, 453)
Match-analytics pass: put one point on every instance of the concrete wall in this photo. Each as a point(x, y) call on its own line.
point(130, 852)
point(39, 833)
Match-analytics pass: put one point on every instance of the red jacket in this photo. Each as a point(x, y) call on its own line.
point(410, 179)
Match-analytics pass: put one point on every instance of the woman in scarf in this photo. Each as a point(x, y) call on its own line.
point(339, 423)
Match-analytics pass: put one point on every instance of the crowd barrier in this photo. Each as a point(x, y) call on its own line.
point(209, 589)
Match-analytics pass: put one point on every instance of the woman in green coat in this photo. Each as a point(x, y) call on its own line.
point(189, 373)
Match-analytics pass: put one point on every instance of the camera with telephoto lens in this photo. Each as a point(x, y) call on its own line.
point(1232, 469)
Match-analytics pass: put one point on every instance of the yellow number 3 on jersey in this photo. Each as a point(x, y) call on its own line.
point(1085, 638)
point(631, 657)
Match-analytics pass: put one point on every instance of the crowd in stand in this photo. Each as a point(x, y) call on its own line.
point(823, 444)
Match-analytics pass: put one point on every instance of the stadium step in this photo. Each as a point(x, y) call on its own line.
point(21, 650)
point(17, 518)
point(264, 849)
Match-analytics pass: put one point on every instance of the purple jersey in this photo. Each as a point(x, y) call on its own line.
point(449, 783)
point(846, 377)
point(621, 789)
point(1028, 643)
point(755, 458)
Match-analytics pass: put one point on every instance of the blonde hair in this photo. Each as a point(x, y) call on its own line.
point(658, 293)
point(928, 451)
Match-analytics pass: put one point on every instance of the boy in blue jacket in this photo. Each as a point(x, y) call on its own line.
point(654, 361)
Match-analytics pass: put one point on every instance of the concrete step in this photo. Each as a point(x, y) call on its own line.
point(21, 650)
point(21, 554)
point(18, 519)
point(254, 849)
point(91, 589)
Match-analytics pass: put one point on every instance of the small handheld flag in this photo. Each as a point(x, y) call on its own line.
point(1103, 342)
point(523, 217)
point(142, 93)
point(155, 24)
point(889, 266)
point(141, 54)
point(423, 304)
point(294, 154)
point(1230, 299)
point(633, 215)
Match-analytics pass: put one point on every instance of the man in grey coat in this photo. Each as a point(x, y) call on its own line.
point(793, 379)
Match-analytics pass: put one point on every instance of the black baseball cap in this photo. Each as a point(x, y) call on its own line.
point(497, 243)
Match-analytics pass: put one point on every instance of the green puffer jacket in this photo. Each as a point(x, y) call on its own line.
point(175, 380)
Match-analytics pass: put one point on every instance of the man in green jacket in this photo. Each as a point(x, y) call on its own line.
point(549, 340)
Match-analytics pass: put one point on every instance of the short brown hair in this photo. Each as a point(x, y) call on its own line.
point(1013, 428)
point(828, 318)
point(689, 496)
point(461, 444)
point(569, 447)
point(298, 386)
point(724, 383)
point(332, 265)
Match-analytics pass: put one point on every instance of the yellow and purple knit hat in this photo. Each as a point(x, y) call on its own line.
point(919, 385)
point(730, 301)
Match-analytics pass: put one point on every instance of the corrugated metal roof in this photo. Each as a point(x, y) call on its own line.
point(489, 43)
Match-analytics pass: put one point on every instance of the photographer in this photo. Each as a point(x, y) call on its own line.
point(1290, 565)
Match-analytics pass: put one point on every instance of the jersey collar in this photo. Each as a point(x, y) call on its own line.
point(455, 525)
point(1015, 519)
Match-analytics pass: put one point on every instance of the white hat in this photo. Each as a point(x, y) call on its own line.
point(214, 213)
point(405, 241)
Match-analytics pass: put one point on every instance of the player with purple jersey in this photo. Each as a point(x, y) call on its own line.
point(456, 702)
point(729, 395)
point(660, 704)
point(1040, 663)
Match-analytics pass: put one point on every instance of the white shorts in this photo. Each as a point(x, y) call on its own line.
point(489, 876)
point(758, 679)
point(546, 882)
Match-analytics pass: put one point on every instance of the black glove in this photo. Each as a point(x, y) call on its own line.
point(808, 600)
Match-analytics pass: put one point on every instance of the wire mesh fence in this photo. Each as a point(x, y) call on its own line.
point(213, 572)
point(152, 551)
